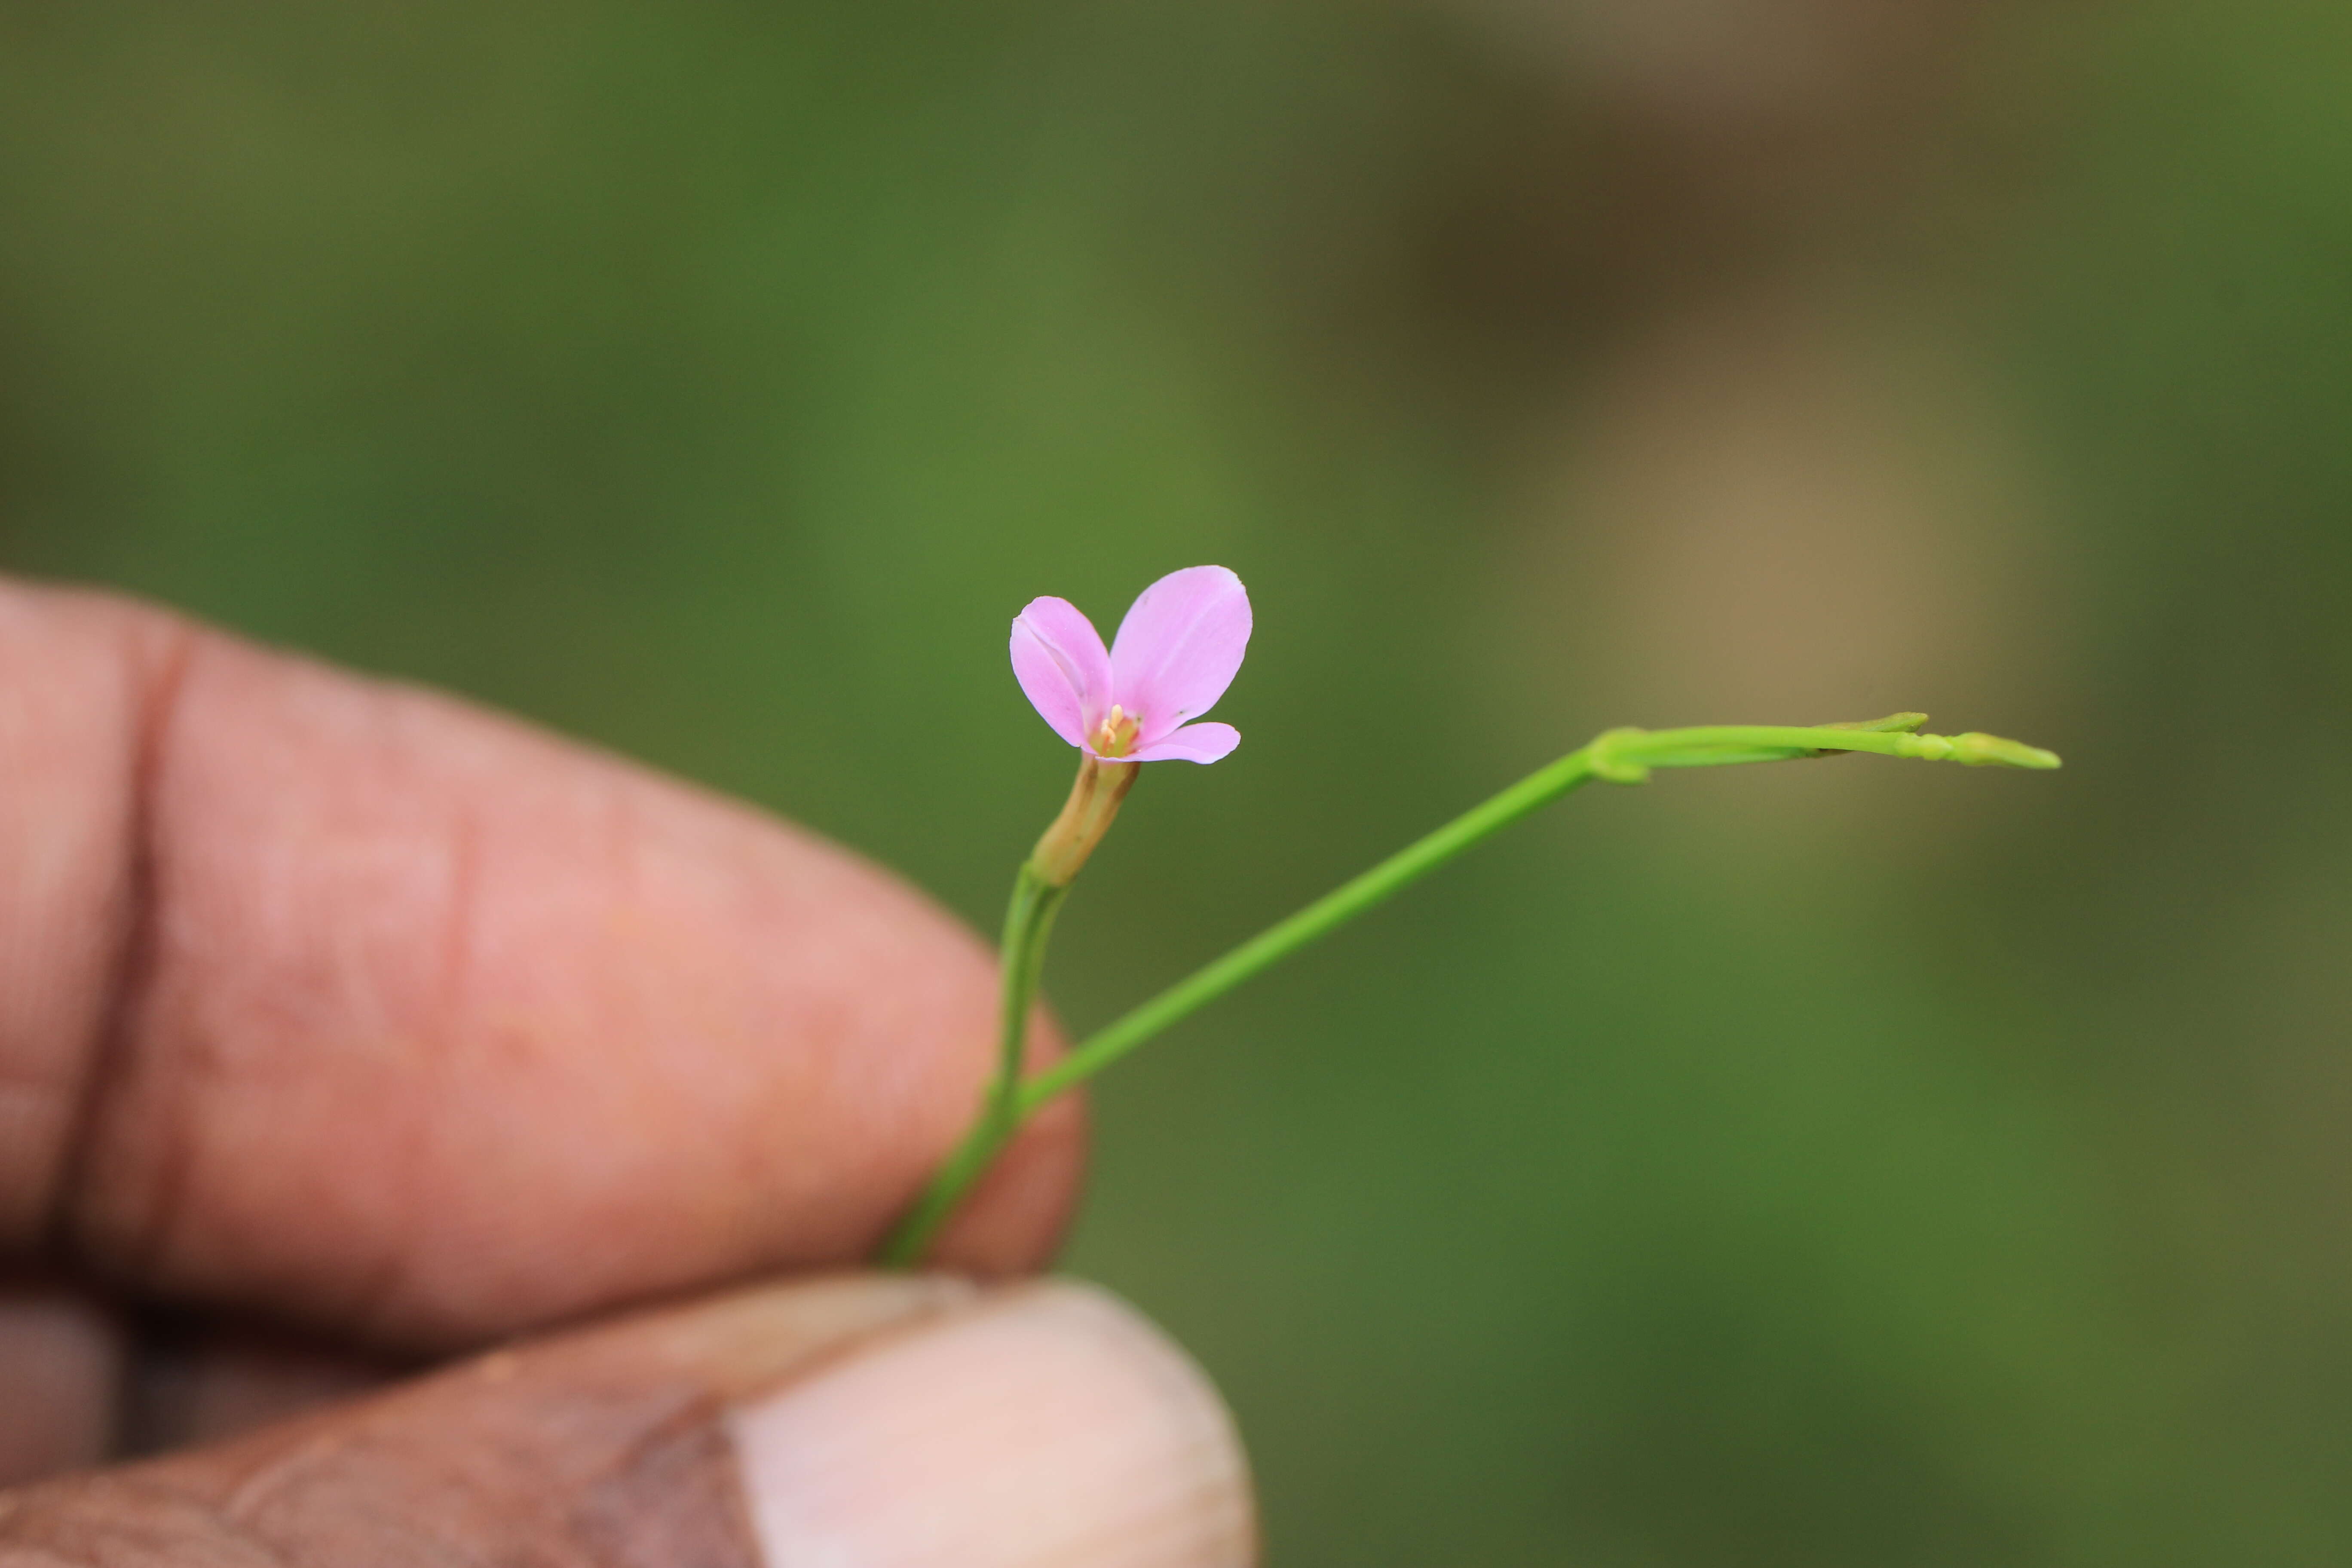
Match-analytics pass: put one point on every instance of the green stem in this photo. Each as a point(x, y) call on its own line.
point(1619, 756)
point(1028, 922)
point(1278, 941)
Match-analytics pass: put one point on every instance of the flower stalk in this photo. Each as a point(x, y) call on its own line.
point(1038, 890)
point(1028, 923)
point(1618, 756)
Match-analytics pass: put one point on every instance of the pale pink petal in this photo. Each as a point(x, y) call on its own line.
point(1201, 742)
point(1058, 657)
point(1179, 647)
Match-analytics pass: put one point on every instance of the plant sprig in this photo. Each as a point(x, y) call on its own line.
point(1617, 756)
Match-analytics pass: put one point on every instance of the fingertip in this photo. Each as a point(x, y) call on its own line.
point(1048, 1424)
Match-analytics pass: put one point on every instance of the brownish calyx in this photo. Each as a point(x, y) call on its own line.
point(1086, 816)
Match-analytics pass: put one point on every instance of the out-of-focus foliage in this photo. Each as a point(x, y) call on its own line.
point(716, 381)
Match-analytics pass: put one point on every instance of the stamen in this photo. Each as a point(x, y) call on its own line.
point(1114, 736)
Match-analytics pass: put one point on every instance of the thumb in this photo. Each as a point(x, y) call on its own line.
point(860, 1422)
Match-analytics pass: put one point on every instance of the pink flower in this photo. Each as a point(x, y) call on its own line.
point(1175, 654)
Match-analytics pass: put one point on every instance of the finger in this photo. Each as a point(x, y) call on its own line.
point(82, 1381)
point(350, 1002)
point(885, 1423)
point(190, 1379)
point(60, 1377)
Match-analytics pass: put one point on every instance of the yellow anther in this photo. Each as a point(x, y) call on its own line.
point(1114, 736)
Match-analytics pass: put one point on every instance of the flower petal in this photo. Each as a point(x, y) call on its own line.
point(1201, 742)
point(1058, 657)
point(1179, 647)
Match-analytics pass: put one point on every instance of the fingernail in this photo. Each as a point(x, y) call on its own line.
point(1046, 1427)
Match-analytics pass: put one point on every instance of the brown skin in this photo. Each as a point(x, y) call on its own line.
point(337, 1004)
point(607, 1445)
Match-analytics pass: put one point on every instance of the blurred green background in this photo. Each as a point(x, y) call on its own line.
point(1844, 1164)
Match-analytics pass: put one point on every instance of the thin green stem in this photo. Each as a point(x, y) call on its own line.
point(1619, 756)
point(1028, 923)
point(1285, 937)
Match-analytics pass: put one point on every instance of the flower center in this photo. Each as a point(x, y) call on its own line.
point(1114, 736)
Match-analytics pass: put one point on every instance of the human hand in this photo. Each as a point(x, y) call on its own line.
point(372, 1028)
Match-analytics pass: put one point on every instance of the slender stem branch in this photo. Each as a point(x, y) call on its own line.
point(1619, 756)
point(1285, 937)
